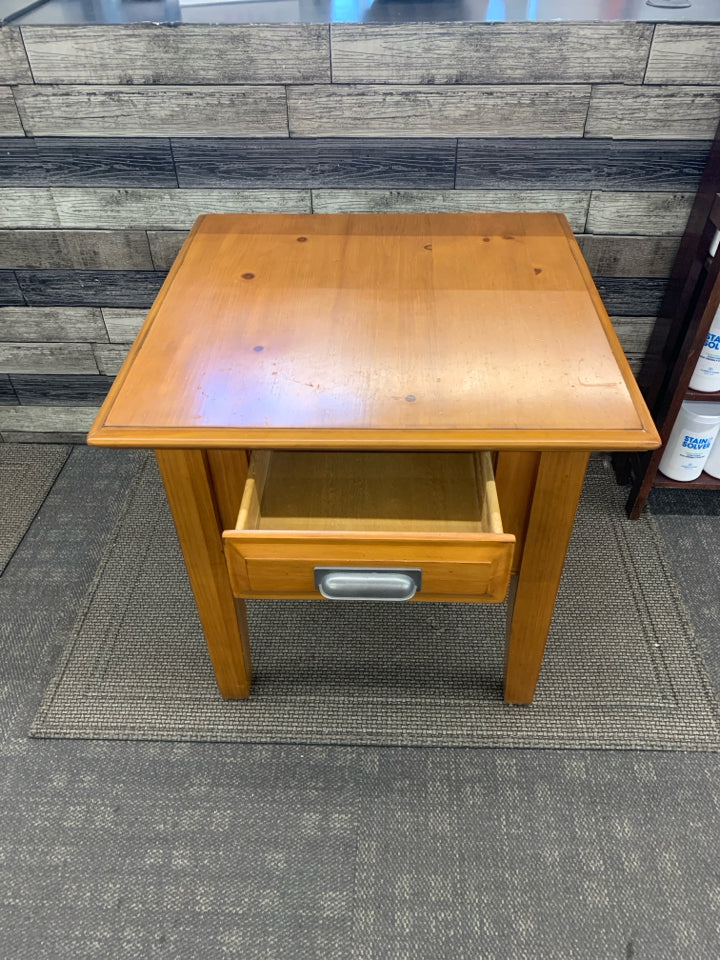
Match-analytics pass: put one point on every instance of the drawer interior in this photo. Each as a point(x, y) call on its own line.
point(431, 492)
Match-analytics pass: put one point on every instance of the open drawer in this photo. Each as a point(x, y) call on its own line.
point(370, 525)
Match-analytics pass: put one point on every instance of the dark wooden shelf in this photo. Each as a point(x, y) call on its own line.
point(703, 482)
point(699, 395)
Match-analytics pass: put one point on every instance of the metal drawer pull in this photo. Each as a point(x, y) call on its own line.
point(367, 583)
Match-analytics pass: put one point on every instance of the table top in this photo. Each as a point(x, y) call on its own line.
point(424, 331)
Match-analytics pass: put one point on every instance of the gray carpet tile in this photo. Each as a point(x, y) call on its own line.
point(277, 852)
point(621, 668)
point(27, 471)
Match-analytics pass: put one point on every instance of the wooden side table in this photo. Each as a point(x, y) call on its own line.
point(322, 392)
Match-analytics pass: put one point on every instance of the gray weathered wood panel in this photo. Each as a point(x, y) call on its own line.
point(123, 325)
point(14, 66)
point(7, 391)
point(573, 204)
point(10, 293)
point(639, 214)
point(24, 424)
point(86, 162)
point(112, 288)
point(490, 52)
point(654, 113)
point(499, 164)
point(109, 209)
point(631, 296)
point(60, 390)
point(456, 111)
point(321, 162)
point(43, 324)
point(685, 53)
point(10, 125)
point(165, 246)
point(185, 53)
point(79, 249)
point(110, 356)
point(150, 111)
point(47, 358)
point(634, 333)
point(629, 256)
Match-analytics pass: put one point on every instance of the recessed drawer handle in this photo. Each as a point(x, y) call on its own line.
point(364, 583)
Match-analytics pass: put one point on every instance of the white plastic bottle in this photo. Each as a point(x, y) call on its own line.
point(706, 376)
point(712, 464)
point(690, 440)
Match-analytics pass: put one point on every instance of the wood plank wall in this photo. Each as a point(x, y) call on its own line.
point(114, 138)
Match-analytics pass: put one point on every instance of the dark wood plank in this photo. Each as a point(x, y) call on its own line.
point(112, 288)
point(631, 296)
point(7, 393)
point(162, 111)
point(684, 53)
point(581, 164)
point(10, 125)
point(323, 162)
point(179, 53)
point(14, 66)
point(490, 52)
point(60, 389)
point(629, 256)
point(45, 324)
point(75, 249)
point(10, 293)
point(653, 113)
point(165, 246)
point(359, 110)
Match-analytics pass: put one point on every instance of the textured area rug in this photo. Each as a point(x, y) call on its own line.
point(621, 668)
point(27, 471)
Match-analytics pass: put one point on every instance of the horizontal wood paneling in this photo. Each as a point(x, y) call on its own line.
point(573, 204)
point(324, 162)
point(631, 296)
point(47, 358)
point(634, 333)
point(43, 324)
point(105, 208)
point(490, 52)
point(10, 125)
point(460, 111)
point(27, 424)
point(87, 162)
point(117, 288)
point(581, 164)
point(639, 214)
point(187, 53)
point(60, 390)
point(81, 249)
point(629, 256)
point(654, 113)
point(109, 357)
point(165, 246)
point(249, 111)
point(14, 67)
point(10, 293)
point(7, 392)
point(685, 53)
point(123, 325)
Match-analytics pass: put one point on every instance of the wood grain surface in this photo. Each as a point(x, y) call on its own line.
point(321, 162)
point(172, 53)
point(8, 396)
point(455, 111)
point(122, 324)
point(162, 111)
point(81, 249)
point(641, 256)
point(118, 288)
point(109, 357)
point(111, 209)
point(14, 66)
point(60, 390)
point(28, 423)
point(10, 293)
point(654, 113)
point(490, 52)
point(638, 214)
point(47, 358)
point(684, 53)
point(331, 325)
point(72, 324)
point(10, 125)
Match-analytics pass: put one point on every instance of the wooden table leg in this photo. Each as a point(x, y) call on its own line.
point(200, 491)
point(554, 504)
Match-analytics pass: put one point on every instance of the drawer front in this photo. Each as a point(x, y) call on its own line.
point(468, 568)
